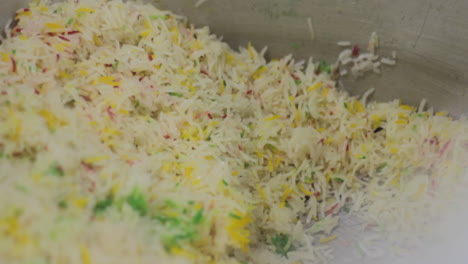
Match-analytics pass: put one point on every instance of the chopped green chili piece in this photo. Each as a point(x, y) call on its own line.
point(324, 66)
point(138, 202)
point(115, 65)
point(381, 167)
point(102, 205)
point(55, 170)
point(235, 216)
point(198, 217)
point(63, 204)
point(158, 17)
point(282, 244)
point(175, 94)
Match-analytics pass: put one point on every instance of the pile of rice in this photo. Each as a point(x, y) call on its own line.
point(129, 136)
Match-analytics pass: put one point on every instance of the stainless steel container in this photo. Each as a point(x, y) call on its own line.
point(430, 37)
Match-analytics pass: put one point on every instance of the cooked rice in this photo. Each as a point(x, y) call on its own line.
point(129, 136)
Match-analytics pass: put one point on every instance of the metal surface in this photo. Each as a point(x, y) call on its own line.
point(430, 36)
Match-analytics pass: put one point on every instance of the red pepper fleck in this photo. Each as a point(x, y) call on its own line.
point(355, 52)
point(44, 70)
point(331, 112)
point(73, 32)
point(13, 62)
point(63, 38)
point(322, 141)
point(347, 146)
point(167, 136)
point(210, 116)
point(332, 169)
point(109, 111)
point(295, 77)
point(36, 91)
point(317, 194)
point(108, 65)
point(141, 78)
point(51, 34)
point(4, 92)
point(150, 56)
point(92, 187)
point(249, 92)
point(57, 57)
point(129, 162)
point(86, 98)
point(241, 148)
point(204, 72)
point(88, 166)
point(18, 30)
point(26, 10)
point(330, 211)
point(200, 115)
point(17, 154)
point(224, 116)
point(134, 73)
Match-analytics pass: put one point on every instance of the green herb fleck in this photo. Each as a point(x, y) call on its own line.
point(138, 202)
point(242, 134)
point(225, 182)
point(158, 17)
point(175, 94)
point(309, 180)
point(235, 216)
point(246, 165)
point(362, 157)
point(271, 147)
point(70, 21)
point(115, 66)
point(170, 203)
point(298, 82)
point(282, 244)
point(324, 66)
point(346, 105)
point(14, 52)
point(102, 205)
point(55, 170)
point(63, 204)
point(381, 167)
point(346, 209)
point(338, 180)
point(295, 45)
point(198, 217)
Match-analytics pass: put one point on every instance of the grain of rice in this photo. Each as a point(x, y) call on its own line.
point(311, 28)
